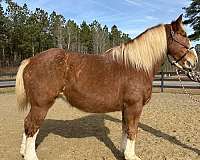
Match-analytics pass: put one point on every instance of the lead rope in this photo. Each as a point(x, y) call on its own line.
point(185, 91)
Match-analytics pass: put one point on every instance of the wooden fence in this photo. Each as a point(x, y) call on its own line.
point(162, 80)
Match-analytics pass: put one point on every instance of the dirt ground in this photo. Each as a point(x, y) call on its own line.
point(169, 130)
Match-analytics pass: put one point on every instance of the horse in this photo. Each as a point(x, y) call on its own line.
point(118, 80)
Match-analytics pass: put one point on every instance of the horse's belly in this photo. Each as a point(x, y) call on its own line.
point(94, 103)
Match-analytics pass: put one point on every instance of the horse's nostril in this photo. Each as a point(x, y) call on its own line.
point(189, 64)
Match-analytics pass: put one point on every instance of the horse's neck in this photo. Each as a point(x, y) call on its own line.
point(157, 67)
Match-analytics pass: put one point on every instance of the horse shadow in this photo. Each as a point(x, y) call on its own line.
point(94, 126)
point(88, 126)
point(167, 137)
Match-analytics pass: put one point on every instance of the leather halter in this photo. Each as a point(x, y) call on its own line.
point(188, 49)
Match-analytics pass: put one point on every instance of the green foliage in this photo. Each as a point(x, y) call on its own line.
point(85, 38)
point(56, 27)
point(71, 36)
point(115, 36)
point(3, 30)
point(24, 33)
point(192, 13)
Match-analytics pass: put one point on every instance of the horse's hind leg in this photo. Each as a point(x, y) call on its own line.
point(32, 124)
point(130, 119)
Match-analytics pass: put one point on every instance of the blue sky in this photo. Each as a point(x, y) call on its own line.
point(131, 16)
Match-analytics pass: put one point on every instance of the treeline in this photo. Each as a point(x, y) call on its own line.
point(24, 33)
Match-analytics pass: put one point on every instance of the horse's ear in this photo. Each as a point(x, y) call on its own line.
point(178, 24)
point(179, 19)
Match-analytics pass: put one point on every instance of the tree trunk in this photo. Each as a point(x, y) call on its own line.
point(68, 43)
point(3, 54)
point(60, 37)
point(33, 50)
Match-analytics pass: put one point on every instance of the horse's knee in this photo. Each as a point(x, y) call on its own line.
point(131, 131)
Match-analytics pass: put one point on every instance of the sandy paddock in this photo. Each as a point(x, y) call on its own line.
point(169, 130)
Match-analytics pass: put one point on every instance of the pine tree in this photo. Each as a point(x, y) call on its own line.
point(192, 13)
point(56, 29)
point(24, 33)
point(16, 24)
point(39, 25)
point(85, 38)
point(106, 44)
point(72, 34)
point(3, 36)
point(115, 36)
point(125, 38)
point(97, 36)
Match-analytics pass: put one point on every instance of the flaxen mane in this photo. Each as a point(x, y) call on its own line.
point(144, 51)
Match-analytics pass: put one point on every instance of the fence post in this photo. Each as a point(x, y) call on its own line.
point(162, 79)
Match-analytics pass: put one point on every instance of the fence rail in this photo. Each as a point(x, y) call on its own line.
point(161, 80)
point(5, 84)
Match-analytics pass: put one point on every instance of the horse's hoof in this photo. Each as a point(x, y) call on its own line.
point(137, 158)
point(22, 155)
point(31, 158)
point(22, 152)
point(132, 158)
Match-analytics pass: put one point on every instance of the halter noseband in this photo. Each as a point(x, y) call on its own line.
point(177, 60)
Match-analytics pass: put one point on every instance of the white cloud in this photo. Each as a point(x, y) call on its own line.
point(104, 5)
point(151, 18)
point(134, 31)
point(134, 2)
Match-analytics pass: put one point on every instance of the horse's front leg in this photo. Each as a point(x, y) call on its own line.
point(130, 119)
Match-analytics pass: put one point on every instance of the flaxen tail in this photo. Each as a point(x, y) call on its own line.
point(22, 100)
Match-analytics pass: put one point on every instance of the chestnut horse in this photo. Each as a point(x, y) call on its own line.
point(118, 80)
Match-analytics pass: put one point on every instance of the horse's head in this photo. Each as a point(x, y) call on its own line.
point(179, 46)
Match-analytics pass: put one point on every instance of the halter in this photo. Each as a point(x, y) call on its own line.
point(175, 62)
point(192, 75)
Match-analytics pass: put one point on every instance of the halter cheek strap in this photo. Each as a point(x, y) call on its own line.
point(175, 62)
point(174, 39)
